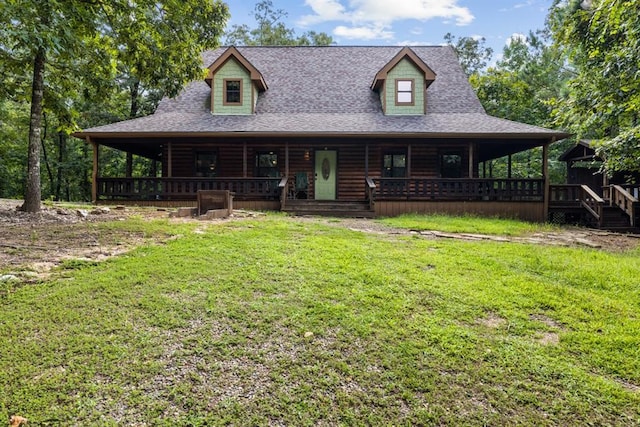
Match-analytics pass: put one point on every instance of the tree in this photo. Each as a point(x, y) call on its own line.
point(472, 53)
point(271, 31)
point(79, 44)
point(524, 86)
point(602, 40)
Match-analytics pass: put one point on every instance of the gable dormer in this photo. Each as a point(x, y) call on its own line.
point(402, 84)
point(235, 84)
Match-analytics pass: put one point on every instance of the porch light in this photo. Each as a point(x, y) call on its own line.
point(307, 155)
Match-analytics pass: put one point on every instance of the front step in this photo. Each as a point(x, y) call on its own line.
point(614, 219)
point(334, 208)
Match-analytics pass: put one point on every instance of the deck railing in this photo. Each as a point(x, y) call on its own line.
point(577, 196)
point(471, 189)
point(186, 188)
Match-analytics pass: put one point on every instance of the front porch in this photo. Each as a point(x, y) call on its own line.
point(390, 175)
point(384, 196)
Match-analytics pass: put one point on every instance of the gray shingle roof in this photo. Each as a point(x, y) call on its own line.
point(327, 90)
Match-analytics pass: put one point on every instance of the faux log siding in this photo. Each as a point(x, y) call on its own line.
point(351, 159)
point(351, 172)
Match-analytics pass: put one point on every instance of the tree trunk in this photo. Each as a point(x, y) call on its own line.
point(33, 191)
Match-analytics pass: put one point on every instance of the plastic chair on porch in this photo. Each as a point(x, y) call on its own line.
point(301, 185)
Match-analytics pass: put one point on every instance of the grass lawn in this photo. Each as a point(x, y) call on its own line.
point(273, 321)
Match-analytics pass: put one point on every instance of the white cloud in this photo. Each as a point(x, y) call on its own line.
point(516, 37)
point(363, 33)
point(382, 13)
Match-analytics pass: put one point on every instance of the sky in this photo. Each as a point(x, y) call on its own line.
point(405, 22)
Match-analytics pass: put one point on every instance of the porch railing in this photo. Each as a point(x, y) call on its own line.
point(185, 188)
point(565, 196)
point(454, 189)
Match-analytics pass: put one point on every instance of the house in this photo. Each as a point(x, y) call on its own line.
point(387, 129)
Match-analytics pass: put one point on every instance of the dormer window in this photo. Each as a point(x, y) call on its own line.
point(404, 92)
point(232, 92)
point(235, 84)
point(402, 84)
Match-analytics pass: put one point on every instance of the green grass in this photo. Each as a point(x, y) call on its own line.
point(275, 321)
point(467, 224)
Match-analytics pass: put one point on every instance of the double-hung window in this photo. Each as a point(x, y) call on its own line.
point(450, 164)
point(267, 164)
point(232, 92)
point(206, 163)
point(394, 165)
point(405, 92)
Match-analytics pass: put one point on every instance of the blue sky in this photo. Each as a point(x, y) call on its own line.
point(405, 22)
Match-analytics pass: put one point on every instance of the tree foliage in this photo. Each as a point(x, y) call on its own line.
point(75, 49)
point(271, 31)
point(472, 53)
point(602, 40)
point(523, 86)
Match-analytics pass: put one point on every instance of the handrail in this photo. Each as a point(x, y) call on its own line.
point(371, 191)
point(282, 185)
point(625, 201)
point(593, 203)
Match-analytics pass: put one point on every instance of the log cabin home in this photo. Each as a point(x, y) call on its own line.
point(353, 130)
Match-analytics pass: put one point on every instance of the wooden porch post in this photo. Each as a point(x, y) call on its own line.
point(366, 161)
point(409, 161)
point(169, 160)
point(286, 159)
point(94, 173)
point(545, 174)
point(129, 171)
point(244, 159)
point(471, 160)
point(509, 165)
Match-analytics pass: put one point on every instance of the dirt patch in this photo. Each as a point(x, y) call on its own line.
point(32, 244)
point(568, 236)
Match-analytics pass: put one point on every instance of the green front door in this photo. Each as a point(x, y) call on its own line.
point(326, 175)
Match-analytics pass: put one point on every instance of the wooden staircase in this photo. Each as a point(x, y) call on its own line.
point(331, 208)
point(617, 210)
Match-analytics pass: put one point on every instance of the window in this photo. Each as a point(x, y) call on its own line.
point(206, 164)
point(451, 164)
point(233, 92)
point(404, 92)
point(267, 164)
point(394, 165)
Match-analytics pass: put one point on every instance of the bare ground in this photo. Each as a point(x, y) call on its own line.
point(32, 244)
